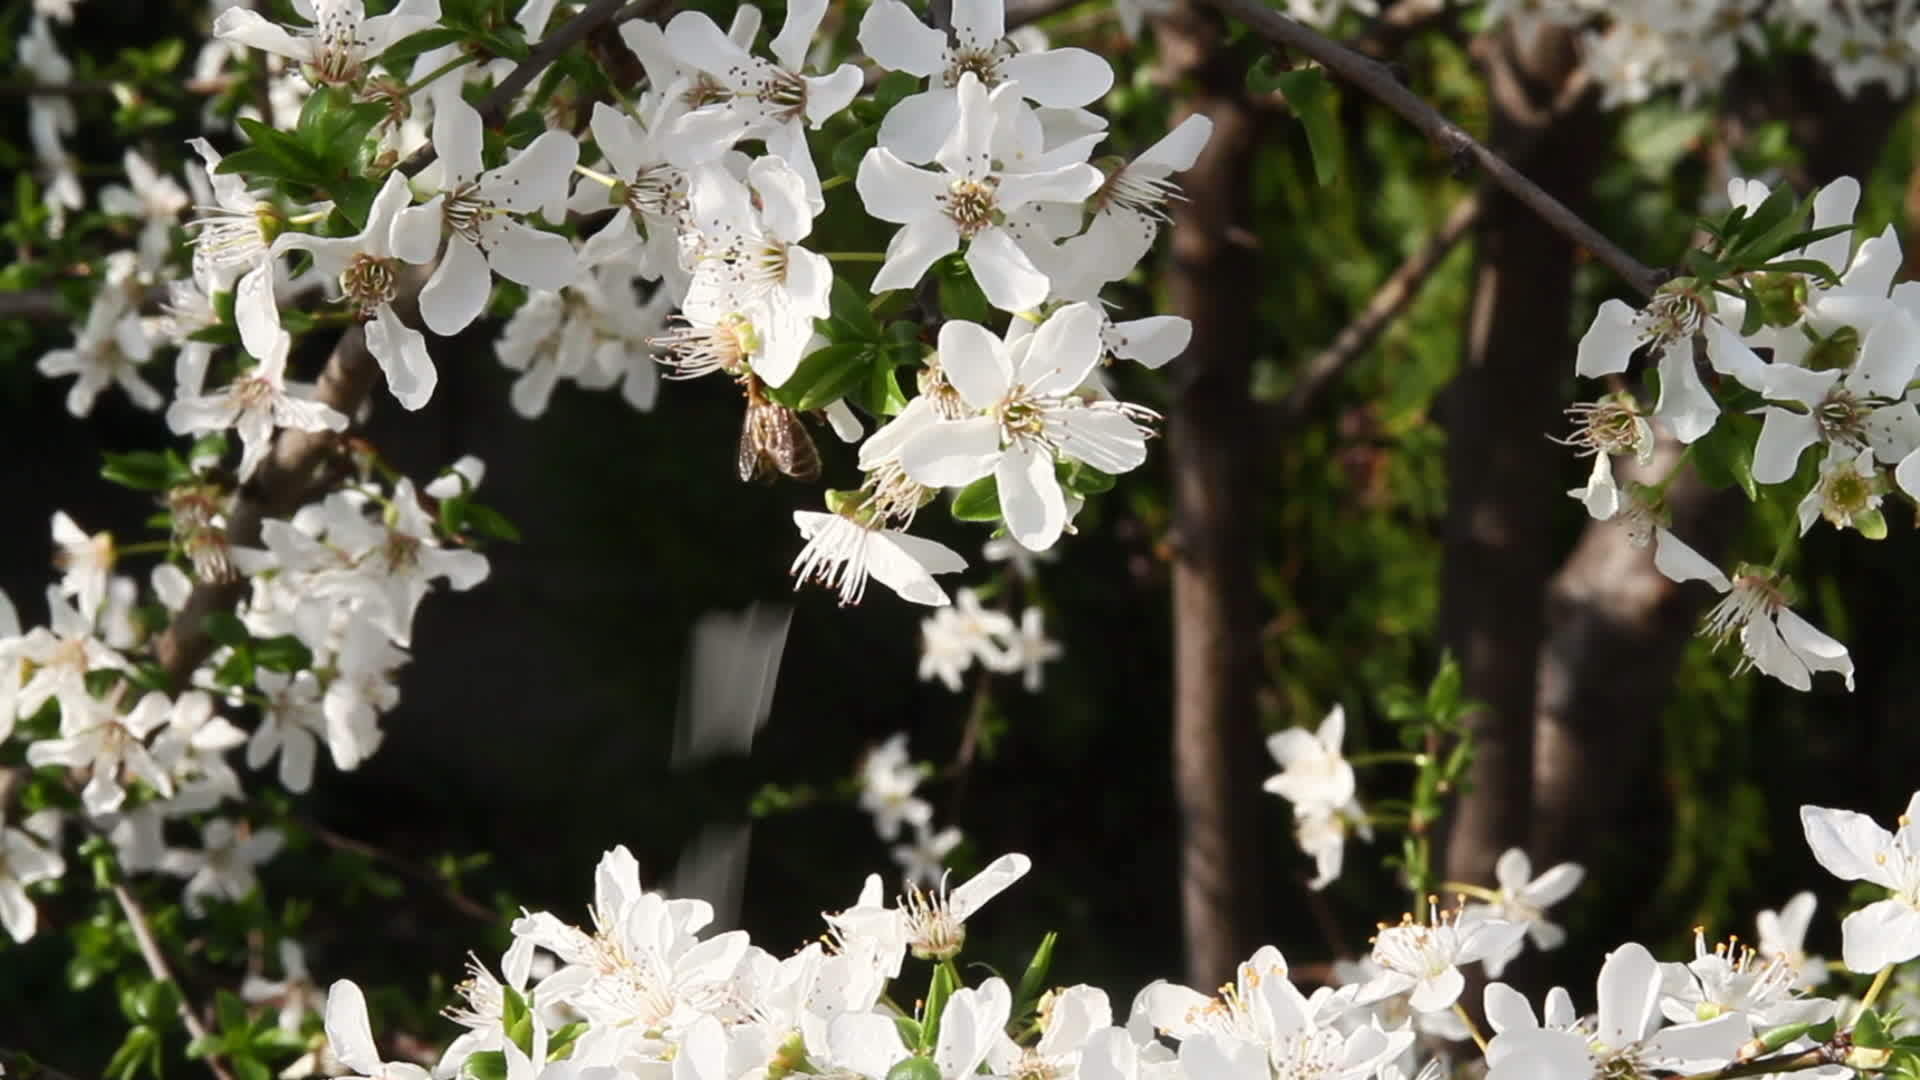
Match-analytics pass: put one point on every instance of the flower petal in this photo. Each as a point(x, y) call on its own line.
point(1030, 496)
point(952, 453)
point(1006, 276)
point(1063, 78)
point(897, 40)
point(458, 290)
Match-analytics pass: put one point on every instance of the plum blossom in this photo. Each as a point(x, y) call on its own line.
point(1524, 899)
point(1424, 959)
point(1853, 847)
point(342, 42)
point(1024, 415)
point(475, 209)
point(1783, 934)
point(1669, 323)
point(1773, 638)
point(897, 40)
point(368, 272)
point(23, 862)
point(968, 199)
point(843, 551)
point(256, 403)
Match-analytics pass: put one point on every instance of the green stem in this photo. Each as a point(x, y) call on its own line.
point(1795, 1062)
point(1478, 892)
point(1473, 1029)
point(427, 79)
point(856, 256)
point(832, 182)
point(1381, 757)
point(1873, 992)
point(1660, 489)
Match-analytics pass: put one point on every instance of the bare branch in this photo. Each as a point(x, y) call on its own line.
point(1374, 79)
point(158, 967)
point(1398, 291)
point(460, 901)
point(550, 48)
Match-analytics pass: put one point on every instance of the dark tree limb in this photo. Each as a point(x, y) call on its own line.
point(1504, 479)
point(1379, 82)
point(1212, 444)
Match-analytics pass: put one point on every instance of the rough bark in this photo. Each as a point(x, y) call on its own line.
point(1503, 484)
point(1210, 451)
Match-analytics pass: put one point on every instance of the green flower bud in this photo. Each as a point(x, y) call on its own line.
point(914, 1068)
point(1836, 351)
point(1782, 297)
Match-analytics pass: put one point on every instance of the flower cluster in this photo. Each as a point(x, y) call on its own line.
point(954, 638)
point(644, 990)
point(888, 783)
point(315, 648)
point(1637, 48)
point(1825, 346)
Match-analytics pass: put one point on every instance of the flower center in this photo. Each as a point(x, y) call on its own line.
point(1841, 417)
point(465, 209)
point(692, 351)
point(1672, 315)
point(982, 60)
point(370, 281)
point(970, 204)
point(1612, 425)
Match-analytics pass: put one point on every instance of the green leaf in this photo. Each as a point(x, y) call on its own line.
point(490, 523)
point(1869, 1031)
point(1723, 457)
point(225, 628)
point(560, 1043)
point(893, 88)
point(1803, 266)
point(401, 54)
point(978, 501)
point(880, 395)
point(1312, 99)
point(824, 376)
point(1776, 210)
point(237, 671)
point(853, 149)
point(1034, 982)
point(909, 1030)
point(939, 990)
point(1871, 524)
point(141, 470)
point(354, 198)
point(849, 307)
point(249, 1067)
point(285, 654)
point(125, 1063)
point(487, 1065)
point(960, 295)
point(1084, 479)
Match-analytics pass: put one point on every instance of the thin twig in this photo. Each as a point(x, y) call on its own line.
point(1400, 288)
point(566, 37)
point(20, 1065)
point(158, 967)
point(1389, 300)
point(461, 902)
point(1374, 79)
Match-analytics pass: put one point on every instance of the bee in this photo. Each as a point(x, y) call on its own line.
point(772, 437)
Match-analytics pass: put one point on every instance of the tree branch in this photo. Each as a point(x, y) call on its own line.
point(460, 901)
point(1374, 79)
point(20, 1065)
point(1398, 291)
point(571, 33)
point(158, 967)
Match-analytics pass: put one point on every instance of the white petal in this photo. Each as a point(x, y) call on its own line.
point(987, 884)
point(975, 362)
point(457, 292)
point(1507, 1009)
point(247, 27)
point(1783, 438)
point(258, 315)
point(402, 354)
point(897, 40)
point(1834, 205)
point(529, 256)
point(1064, 78)
point(1608, 344)
point(1063, 351)
point(952, 453)
point(1884, 932)
point(1629, 990)
point(457, 140)
point(1153, 340)
point(913, 249)
point(536, 176)
point(415, 235)
point(1685, 404)
point(349, 1034)
point(895, 191)
point(1030, 498)
point(919, 124)
point(1104, 438)
point(1679, 562)
point(1005, 275)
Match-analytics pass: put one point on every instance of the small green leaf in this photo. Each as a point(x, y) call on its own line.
point(824, 376)
point(1871, 524)
point(850, 308)
point(1034, 982)
point(978, 501)
point(225, 628)
point(1869, 1031)
point(285, 654)
point(141, 470)
point(853, 149)
point(939, 990)
point(909, 1029)
point(1312, 99)
point(960, 295)
point(1084, 479)
point(490, 523)
point(487, 1065)
point(401, 54)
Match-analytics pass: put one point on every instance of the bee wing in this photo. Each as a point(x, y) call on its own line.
point(750, 457)
point(792, 447)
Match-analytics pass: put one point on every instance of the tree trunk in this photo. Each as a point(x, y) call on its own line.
point(1504, 480)
point(1210, 433)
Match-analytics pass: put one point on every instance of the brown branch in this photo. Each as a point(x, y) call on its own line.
point(20, 1065)
point(570, 33)
point(158, 967)
point(1377, 81)
point(1398, 291)
point(460, 901)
